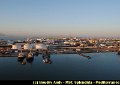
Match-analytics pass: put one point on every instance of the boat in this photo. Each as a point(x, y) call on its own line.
point(23, 62)
point(85, 56)
point(30, 57)
point(21, 56)
point(46, 59)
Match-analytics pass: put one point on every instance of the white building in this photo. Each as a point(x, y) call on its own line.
point(41, 46)
point(18, 45)
point(66, 42)
point(15, 47)
point(27, 46)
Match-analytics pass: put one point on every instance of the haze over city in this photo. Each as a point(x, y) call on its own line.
point(60, 17)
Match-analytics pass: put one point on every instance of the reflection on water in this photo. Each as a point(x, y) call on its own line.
point(46, 59)
point(101, 66)
point(24, 60)
point(88, 57)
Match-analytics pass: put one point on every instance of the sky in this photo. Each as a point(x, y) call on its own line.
point(60, 17)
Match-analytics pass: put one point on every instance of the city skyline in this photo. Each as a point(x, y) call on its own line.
point(60, 17)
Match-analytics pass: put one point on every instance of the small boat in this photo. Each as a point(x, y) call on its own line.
point(85, 56)
point(46, 59)
point(23, 62)
point(30, 57)
point(21, 56)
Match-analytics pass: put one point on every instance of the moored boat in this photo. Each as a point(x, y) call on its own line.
point(30, 57)
point(21, 56)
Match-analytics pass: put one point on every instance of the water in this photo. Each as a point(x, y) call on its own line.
point(101, 66)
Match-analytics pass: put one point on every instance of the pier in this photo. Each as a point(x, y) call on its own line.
point(81, 54)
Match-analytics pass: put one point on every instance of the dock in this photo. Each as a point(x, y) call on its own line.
point(61, 50)
point(85, 55)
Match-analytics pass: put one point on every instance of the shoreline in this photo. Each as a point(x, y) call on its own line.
point(16, 55)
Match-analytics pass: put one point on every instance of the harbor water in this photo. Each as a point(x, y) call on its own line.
point(101, 66)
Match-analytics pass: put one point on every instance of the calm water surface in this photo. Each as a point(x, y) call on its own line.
point(101, 66)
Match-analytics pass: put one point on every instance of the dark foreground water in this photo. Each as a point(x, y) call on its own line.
point(101, 66)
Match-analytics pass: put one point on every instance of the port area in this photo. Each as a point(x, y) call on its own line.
point(59, 50)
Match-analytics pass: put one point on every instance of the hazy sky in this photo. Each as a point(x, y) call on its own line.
point(60, 17)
